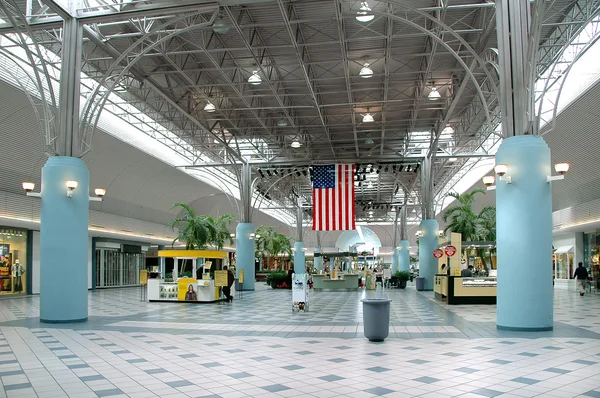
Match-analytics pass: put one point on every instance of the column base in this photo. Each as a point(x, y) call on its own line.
point(519, 329)
point(64, 321)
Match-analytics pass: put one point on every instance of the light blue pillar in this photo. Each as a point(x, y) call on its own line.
point(524, 236)
point(318, 260)
point(162, 262)
point(64, 241)
point(404, 255)
point(299, 263)
point(394, 267)
point(428, 242)
point(244, 253)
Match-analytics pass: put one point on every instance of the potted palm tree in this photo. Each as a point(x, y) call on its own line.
point(472, 226)
point(198, 232)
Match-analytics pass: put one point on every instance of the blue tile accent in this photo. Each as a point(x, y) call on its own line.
point(170, 347)
point(234, 351)
point(378, 369)
point(121, 352)
point(343, 347)
point(418, 361)
point(19, 386)
point(551, 347)
point(292, 367)
point(377, 354)
point(557, 370)
point(499, 361)
point(338, 360)
point(92, 378)
point(261, 358)
point(156, 371)
point(108, 393)
point(466, 370)
point(452, 354)
point(304, 352)
point(275, 388)
point(8, 362)
point(136, 360)
point(525, 380)
point(78, 366)
point(528, 354)
point(212, 364)
point(411, 348)
point(379, 391)
point(584, 362)
point(179, 383)
point(331, 378)
point(11, 373)
point(426, 379)
point(239, 375)
point(188, 355)
point(507, 342)
point(593, 394)
point(487, 393)
point(68, 356)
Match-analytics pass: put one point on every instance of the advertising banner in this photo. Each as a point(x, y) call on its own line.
point(143, 277)
point(187, 289)
point(221, 278)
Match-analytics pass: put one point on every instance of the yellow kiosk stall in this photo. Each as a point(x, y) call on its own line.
point(192, 290)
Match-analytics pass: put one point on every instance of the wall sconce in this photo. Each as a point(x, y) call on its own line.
point(561, 169)
point(232, 236)
point(251, 236)
point(441, 234)
point(29, 187)
point(71, 185)
point(489, 182)
point(419, 234)
point(100, 192)
point(501, 170)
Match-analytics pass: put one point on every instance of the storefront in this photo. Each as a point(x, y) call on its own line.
point(562, 262)
point(118, 264)
point(13, 261)
point(591, 256)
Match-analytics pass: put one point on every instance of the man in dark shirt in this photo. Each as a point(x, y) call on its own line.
point(581, 274)
point(467, 272)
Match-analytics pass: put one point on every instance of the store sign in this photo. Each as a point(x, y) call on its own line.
point(450, 251)
point(438, 253)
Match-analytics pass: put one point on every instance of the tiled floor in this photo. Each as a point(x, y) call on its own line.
point(257, 347)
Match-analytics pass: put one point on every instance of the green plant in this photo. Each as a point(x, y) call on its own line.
point(402, 275)
point(271, 244)
point(197, 232)
point(275, 279)
point(472, 226)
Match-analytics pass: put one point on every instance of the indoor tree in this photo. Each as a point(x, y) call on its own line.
point(271, 243)
point(462, 218)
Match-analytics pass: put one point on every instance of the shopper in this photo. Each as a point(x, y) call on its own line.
point(230, 280)
point(582, 275)
point(467, 272)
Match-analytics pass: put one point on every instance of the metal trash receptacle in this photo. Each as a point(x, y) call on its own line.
point(420, 282)
point(376, 318)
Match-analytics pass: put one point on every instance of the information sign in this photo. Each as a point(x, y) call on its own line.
point(450, 250)
point(241, 276)
point(221, 278)
point(143, 277)
point(438, 253)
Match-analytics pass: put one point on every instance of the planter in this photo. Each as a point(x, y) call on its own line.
point(376, 318)
point(401, 284)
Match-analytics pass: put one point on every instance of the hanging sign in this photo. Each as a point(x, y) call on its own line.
point(438, 253)
point(450, 250)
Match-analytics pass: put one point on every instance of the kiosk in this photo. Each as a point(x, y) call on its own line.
point(189, 290)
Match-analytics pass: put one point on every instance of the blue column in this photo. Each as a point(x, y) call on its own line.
point(428, 242)
point(244, 253)
point(404, 255)
point(394, 267)
point(162, 263)
point(524, 236)
point(64, 241)
point(299, 263)
point(318, 260)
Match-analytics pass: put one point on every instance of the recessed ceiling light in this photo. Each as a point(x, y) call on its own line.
point(364, 15)
point(366, 72)
point(255, 79)
point(452, 159)
point(209, 107)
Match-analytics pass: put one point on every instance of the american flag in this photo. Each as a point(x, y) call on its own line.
point(333, 198)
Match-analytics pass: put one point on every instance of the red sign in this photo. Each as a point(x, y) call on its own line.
point(438, 253)
point(450, 251)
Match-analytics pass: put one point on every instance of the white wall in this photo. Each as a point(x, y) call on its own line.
point(35, 276)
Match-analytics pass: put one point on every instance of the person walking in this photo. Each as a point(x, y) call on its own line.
point(582, 275)
point(230, 280)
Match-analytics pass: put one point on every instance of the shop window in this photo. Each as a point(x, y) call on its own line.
point(13, 261)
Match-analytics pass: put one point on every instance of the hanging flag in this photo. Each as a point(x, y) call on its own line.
point(333, 198)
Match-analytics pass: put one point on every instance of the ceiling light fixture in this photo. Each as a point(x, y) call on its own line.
point(220, 26)
point(366, 72)
point(282, 123)
point(364, 15)
point(255, 79)
point(368, 118)
point(434, 94)
point(296, 144)
point(209, 107)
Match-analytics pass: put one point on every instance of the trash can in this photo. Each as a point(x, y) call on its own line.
point(376, 318)
point(420, 282)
